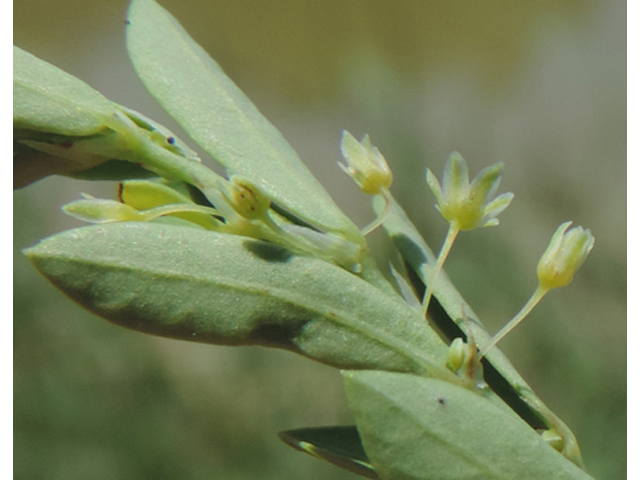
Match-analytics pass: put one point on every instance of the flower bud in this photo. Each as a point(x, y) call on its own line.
point(457, 354)
point(566, 252)
point(365, 164)
point(247, 199)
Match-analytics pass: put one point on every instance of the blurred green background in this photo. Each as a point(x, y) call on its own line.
point(539, 86)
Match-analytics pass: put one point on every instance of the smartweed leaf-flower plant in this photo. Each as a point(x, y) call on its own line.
point(265, 257)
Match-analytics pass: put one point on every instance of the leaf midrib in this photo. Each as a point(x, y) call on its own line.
point(318, 308)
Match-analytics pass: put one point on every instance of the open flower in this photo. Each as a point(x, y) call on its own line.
point(566, 252)
point(365, 164)
point(467, 205)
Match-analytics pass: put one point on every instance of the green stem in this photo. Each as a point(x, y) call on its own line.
point(533, 301)
point(433, 277)
point(170, 165)
point(382, 217)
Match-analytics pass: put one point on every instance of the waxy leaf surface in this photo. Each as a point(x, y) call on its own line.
point(195, 91)
point(47, 99)
point(63, 126)
point(416, 428)
point(216, 288)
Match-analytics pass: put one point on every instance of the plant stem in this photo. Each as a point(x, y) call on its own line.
point(386, 194)
point(533, 301)
point(170, 165)
point(433, 277)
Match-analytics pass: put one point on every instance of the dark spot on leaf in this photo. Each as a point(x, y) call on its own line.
point(268, 251)
point(275, 335)
point(171, 140)
point(442, 401)
point(66, 144)
point(127, 22)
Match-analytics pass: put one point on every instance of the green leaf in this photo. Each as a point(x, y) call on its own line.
point(339, 445)
point(63, 126)
point(47, 99)
point(454, 317)
point(195, 91)
point(224, 289)
point(416, 428)
point(56, 109)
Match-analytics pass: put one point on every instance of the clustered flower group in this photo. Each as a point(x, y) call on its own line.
point(465, 206)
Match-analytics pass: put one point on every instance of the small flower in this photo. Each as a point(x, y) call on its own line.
point(365, 164)
point(467, 205)
point(566, 252)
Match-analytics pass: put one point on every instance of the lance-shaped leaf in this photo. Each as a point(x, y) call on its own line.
point(47, 99)
point(63, 126)
point(453, 317)
point(195, 91)
point(225, 289)
point(416, 428)
point(340, 445)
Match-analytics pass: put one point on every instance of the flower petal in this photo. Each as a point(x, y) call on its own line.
point(434, 185)
point(352, 150)
point(487, 181)
point(498, 205)
point(455, 180)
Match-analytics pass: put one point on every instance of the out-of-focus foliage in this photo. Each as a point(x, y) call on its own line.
point(539, 86)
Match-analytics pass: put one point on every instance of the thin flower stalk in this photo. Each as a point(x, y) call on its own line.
point(566, 253)
point(464, 205)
